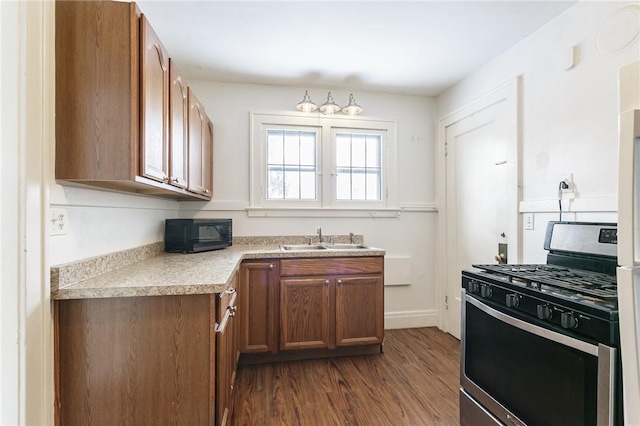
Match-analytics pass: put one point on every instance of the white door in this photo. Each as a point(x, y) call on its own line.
point(481, 191)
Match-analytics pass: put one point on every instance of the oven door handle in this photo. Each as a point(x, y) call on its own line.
point(606, 356)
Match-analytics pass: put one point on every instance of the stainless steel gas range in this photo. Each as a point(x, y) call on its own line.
point(540, 343)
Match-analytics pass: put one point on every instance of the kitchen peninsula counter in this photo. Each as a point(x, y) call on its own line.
point(149, 271)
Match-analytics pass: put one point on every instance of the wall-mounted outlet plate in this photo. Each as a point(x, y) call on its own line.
point(528, 221)
point(569, 192)
point(568, 179)
point(58, 221)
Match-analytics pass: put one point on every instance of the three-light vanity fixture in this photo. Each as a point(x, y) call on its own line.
point(329, 107)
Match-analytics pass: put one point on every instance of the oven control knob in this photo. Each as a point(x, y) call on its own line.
point(544, 311)
point(512, 300)
point(485, 291)
point(568, 320)
point(474, 287)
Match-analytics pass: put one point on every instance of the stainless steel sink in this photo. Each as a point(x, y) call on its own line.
point(302, 247)
point(305, 247)
point(346, 247)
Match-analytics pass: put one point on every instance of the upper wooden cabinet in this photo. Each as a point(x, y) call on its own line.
point(200, 147)
point(154, 110)
point(115, 111)
point(178, 122)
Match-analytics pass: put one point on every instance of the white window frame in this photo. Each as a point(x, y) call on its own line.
point(326, 201)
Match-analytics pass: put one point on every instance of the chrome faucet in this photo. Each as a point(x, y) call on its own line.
point(319, 231)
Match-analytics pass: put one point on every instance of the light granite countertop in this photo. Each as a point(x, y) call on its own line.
point(169, 273)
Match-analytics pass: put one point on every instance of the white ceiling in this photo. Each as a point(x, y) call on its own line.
point(415, 47)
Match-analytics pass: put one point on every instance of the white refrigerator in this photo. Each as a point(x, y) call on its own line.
point(629, 238)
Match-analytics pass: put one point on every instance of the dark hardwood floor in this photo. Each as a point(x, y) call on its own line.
point(414, 382)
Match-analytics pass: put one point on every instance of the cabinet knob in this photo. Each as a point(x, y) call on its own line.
point(271, 266)
point(326, 282)
point(339, 281)
point(175, 180)
point(206, 191)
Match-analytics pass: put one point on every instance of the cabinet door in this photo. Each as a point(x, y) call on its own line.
point(258, 306)
point(359, 310)
point(207, 158)
point(197, 127)
point(304, 313)
point(225, 359)
point(178, 120)
point(135, 360)
point(154, 120)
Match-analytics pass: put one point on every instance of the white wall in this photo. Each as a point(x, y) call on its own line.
point(409, 237)
point(100, 222)
point(568, 117)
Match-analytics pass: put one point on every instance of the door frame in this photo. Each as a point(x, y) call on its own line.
point(507, 92)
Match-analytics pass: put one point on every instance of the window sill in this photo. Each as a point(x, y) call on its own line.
point(320, 212)
point(337, 212)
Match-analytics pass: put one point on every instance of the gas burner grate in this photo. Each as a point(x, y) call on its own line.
point(594, 284)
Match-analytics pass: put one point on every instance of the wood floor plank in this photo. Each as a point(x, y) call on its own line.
point(414, 382)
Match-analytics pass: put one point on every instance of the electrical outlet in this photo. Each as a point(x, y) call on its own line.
point(58, 222)
point(569, 191)
point(528, 221)
point(568, 179)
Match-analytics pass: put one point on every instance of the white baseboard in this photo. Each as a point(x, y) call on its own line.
point(410, 319)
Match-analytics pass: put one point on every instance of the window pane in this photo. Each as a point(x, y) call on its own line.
point(343, 186)
point(343, 150)
point(274, 146)
point(373, 184)
point(308, 185)
point(292, 184)
point(308, 148)
point(358, 189)
point(275, 188)
point(373, 150)
point(292, 147)
point(358, 150)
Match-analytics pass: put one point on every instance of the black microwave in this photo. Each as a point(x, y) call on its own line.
point(196, 235)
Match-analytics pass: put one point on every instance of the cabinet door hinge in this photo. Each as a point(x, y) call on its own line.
point(446, 302)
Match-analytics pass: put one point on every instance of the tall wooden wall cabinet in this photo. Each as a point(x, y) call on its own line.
point(121, 104)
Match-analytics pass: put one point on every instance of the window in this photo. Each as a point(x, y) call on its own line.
point(322, 163)
point(358, 166)
point(291, 164)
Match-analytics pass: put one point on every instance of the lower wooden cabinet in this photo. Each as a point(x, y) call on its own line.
point(331, 302)
point(359, 310)
point(135, 360)
point(259, 290)
point(312, 306)
point(146, 360)
point(305, 312)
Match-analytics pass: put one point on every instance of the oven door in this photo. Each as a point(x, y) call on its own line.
point(522, 374)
